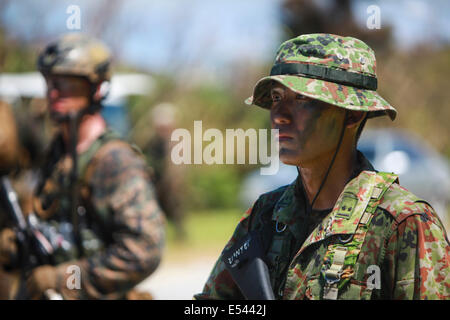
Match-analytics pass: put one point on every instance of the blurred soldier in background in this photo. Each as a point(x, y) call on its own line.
point(35, 131)
point(27, 131)
point(94, 204)
point(168, 178)
point(342, 230)
point(332, 16)
point(9, 153)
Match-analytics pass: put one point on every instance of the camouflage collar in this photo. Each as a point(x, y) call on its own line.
point(290, 208)
point(351, 205)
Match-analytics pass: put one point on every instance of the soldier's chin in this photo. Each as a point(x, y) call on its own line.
point(58, 116)
point(289, 157)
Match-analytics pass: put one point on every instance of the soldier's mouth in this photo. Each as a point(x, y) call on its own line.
point(284, 137)
point(57, 106)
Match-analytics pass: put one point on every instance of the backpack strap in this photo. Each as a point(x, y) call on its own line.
point(340, 260)
point(87, 157)
point(263, 224)
point(99, 148)
point(277, 237)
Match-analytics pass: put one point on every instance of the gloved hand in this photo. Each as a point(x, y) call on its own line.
point(8, 247)
point(41, 279)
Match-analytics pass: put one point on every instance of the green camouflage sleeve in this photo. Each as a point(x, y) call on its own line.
point(121, 189)
point(220, 285)
point(418, 258)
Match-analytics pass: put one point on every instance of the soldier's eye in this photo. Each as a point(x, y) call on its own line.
point(300, 97)
point(275, 97)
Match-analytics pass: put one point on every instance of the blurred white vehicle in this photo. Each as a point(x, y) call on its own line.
point(14, 86)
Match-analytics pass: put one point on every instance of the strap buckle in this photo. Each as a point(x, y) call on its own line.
point(337, 277)
point(345, 240)
point(334, 272)
point(282, 229)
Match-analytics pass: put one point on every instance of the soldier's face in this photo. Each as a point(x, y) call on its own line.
point(308, 128)
point(67, 94)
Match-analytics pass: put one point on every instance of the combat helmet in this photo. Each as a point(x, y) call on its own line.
point(337, 70)
point(77, 54)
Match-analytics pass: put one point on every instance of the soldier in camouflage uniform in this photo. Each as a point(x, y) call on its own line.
point(341, 230)
point(115, 235)
point(168, 178)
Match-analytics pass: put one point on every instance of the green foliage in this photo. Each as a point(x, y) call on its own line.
point(15, 57)
point(415, 83)
point(215, 186)
point(208, 229)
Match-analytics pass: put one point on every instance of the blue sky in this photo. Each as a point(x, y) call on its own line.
point(162, 34)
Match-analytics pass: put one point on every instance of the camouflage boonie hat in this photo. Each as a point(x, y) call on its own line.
point(76, 54)
point(334, 69)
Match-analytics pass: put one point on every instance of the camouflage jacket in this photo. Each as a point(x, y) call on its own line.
point(121, 224)
point(378, 242)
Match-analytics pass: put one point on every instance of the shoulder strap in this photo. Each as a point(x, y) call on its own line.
point(109, 140)
point(86, 158)
point(340, 259)
point(98, 150)
point(262, 223)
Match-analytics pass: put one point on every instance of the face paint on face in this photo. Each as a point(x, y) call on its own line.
point(308, 128)
point(315, 110)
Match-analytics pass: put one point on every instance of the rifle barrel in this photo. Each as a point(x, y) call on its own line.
point(12, 204)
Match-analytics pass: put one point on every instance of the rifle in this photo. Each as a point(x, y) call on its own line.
point(34, 248)
point(74, 121)
point(244, 261)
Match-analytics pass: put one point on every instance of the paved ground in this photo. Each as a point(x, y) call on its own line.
point(179, 278)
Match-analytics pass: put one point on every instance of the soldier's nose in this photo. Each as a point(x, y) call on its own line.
point(278, 116)
point(53, 94)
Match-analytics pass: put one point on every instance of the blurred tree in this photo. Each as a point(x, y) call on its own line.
point(15, 56)
point(415, 83)
point(332, 16)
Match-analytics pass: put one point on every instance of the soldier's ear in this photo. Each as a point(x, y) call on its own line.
point(353, 118)
point(101, 90)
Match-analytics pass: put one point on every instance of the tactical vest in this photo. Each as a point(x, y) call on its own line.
point(346, 225)
point(56, 225)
